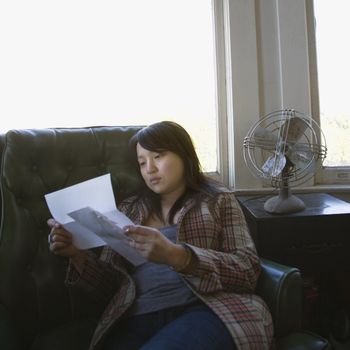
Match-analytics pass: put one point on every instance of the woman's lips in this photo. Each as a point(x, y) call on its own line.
point(154, 180)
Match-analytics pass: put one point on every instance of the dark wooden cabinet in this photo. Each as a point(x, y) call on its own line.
point(317, 238)
point(317, 241)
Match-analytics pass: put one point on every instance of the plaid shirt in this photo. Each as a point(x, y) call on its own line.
point(224, 278)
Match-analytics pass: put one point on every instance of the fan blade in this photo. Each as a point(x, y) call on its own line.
point(302, 156)
point(264, 138)
point(293, 129)
point(274, 165)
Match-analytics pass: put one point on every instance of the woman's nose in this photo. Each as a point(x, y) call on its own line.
point(150, 167)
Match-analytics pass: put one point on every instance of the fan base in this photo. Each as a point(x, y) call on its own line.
point(284, 205)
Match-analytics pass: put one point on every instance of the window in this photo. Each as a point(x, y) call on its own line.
point(333, 56)
point(73, 63)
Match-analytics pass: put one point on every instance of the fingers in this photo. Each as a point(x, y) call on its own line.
point(136, 245)
point(58, 235)
point(52, 223)
point(149, 242)
point(59, 238)
point(137, 238)
point(61, 244)
point(55, 247)
point(58, 229)
point(141, 233)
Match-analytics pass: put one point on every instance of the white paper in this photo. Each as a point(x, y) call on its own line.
point(88, 211)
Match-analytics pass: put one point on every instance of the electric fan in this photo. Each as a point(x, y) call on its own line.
point(284, 148)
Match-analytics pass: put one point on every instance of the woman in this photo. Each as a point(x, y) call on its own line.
point(196, 289)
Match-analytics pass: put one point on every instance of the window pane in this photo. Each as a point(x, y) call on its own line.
point(74, 63)
point(333, 57)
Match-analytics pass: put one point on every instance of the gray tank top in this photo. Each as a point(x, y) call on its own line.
point(158, 286)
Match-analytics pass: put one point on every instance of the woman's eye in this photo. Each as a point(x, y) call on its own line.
point(159, 155)
point(142, 164)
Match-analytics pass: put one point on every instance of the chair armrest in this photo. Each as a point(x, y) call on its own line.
point(281, 288)
point(8, 338)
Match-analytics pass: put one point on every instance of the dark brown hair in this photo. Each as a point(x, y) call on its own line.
point(170, 136)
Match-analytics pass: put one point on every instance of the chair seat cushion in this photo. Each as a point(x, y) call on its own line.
point(302, 341)
point(72, 336)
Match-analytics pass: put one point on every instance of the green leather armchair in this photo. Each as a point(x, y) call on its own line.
point(281, 287)
point(36, 311)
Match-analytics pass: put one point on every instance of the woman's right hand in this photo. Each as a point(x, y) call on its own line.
point(61, 241)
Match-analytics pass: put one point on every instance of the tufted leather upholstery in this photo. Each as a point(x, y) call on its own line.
point(2, 145)
point(34, 163)
point(35, 306)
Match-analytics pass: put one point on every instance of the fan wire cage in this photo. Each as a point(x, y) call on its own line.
point(284, 148)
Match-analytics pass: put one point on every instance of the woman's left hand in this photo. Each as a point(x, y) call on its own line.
point(154, 246)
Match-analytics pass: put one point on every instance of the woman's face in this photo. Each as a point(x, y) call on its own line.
point(163, 172)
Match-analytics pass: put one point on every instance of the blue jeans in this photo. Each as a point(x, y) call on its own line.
point(190, 327)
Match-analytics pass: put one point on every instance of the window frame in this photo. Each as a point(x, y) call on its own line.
point(329, 176)
point(219, 27)
point(271, 64)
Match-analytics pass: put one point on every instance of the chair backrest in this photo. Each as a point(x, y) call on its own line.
point(36, 162)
